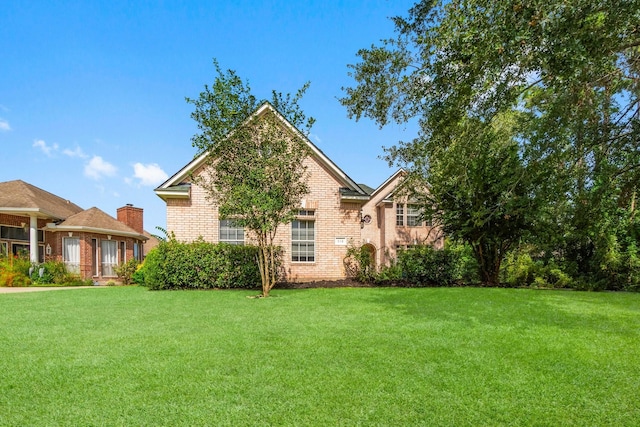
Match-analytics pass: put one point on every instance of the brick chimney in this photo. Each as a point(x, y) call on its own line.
point(131, 216)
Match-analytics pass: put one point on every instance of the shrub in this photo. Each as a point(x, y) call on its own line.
point(389, 274)
point(138, 276)
point(200, 265)
point(14, 271)
point(523, 268)
point(51, 272)
point(424, 265)
point(360, 264)
point(126, 271)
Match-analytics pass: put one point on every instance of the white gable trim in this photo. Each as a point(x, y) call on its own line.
point(192, 166)
point(387, 182)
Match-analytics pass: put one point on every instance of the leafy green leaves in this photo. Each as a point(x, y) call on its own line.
point(566, 72)
point(256, 172)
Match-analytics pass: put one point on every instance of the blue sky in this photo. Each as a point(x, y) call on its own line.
point(92, 92)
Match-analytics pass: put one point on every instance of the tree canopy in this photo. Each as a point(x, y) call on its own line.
point(255, 172)
point(565, 73)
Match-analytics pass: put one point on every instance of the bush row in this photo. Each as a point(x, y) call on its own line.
point(524, 267)
point(19, 271)
point(417, 266)
point(199, 265)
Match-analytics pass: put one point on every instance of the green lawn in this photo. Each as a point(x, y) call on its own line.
point(325, 357)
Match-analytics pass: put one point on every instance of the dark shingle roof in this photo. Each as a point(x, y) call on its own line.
point(16, 195)
point(96, 220)
point(366, 188)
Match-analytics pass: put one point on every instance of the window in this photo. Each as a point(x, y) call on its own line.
point(109, 249)
point(303, 240)
point(94, 257)
point(399, 214)
point(18, 233)
point(230, 232)
point(136, 251)
point(123, 252)
point(3, 249)
point(413, 216)
point(71, 254)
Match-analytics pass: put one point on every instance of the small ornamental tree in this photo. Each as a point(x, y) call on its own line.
point(255, 170)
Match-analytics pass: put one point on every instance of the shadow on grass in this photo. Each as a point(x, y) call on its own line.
point(496, 307)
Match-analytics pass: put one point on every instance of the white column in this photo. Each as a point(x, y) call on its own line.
point(33, 239)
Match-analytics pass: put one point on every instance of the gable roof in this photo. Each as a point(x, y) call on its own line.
point(399, 173)
point(20, 198)
point(176, 187)
point(94, 220)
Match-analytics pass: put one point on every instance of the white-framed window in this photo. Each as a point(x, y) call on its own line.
point(95, 260)
point(413, 216)
point(4, 248)
point(400, 214)
point(109, 254)
point(71, 254)
point(137, 253)
point(18, 233)
point(123, 252)
point(230, 232)
point(409, 215)
point(303, 238)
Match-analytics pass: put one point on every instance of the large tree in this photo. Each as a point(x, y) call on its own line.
point(255, 172)
point(569, 69)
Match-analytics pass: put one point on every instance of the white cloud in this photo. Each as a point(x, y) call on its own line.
point(97, 168)
point(4, 125)
point(46, 149)
point(77, 152)
point(149, 175)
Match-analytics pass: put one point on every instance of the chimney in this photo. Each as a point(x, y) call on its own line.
point(132, 217)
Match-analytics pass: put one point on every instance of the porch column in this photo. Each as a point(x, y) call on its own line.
point(33, 239)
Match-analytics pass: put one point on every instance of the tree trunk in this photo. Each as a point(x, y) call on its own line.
point(266, 263)
point(489, 259)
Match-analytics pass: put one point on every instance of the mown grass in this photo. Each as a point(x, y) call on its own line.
point(444, 356)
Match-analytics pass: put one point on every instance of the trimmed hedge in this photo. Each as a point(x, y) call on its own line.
point(200, 265)
point(426, 266)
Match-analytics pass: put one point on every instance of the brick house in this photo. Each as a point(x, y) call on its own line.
point(337, 212)
point(90, 242)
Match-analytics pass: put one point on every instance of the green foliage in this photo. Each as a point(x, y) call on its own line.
point(256, 173)
point(138, 276)
point(19, 271)
point(200, 265)
point(529, 119)
point(389, 274)
point(417, 266)
point(360, 264)
point(53, 272)
point(520, 269)
point(14, 271)
point(126, 271)
point(424, 265)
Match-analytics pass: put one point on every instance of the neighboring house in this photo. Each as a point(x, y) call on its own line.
point(336, 213)
point(90, 242)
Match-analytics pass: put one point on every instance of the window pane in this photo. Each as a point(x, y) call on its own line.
point(413, 216)
point(71, 254)
point(230, 232)
point(302, 241)
point(399, 214)
point(109, 257)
